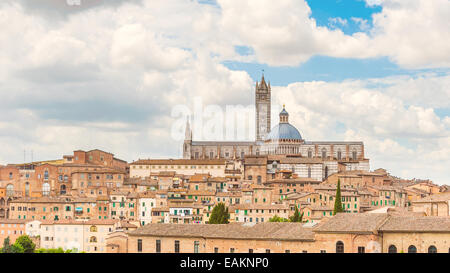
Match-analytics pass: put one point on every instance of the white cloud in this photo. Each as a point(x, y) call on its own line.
point(108, 78)
point(409, 140)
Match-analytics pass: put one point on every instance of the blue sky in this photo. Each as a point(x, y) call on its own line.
point(108, 74)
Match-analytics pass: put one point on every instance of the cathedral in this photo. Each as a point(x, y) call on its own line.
point(282, 139)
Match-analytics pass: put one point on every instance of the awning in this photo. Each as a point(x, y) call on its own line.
point(79, 209)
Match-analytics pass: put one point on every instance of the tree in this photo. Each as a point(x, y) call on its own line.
point(338, 201)
point(277, 218)
point(219, 215)
point(26, 243)
point(297, 217)
point(8, 248)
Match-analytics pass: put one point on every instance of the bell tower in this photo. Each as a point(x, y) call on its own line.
point(262, 105)
point(187, 145)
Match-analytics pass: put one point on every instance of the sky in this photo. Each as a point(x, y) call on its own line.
point(87, 74)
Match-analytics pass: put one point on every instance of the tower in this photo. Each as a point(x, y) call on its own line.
point(187, 141)
point(262, 105)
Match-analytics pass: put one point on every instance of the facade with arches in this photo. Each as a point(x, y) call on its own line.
point(283, 138)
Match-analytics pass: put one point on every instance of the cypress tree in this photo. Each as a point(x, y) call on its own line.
point(338, 200)
point(219, 215)
point(297, 217)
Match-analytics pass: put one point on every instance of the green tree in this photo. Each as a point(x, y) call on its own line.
point(219, 215)
point(297, 217)
point(8, 248)
point(277, 218)
point(26, 243)
point(338, 200)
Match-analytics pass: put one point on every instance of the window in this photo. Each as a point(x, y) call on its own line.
point(93, 229)
point(93, 239)
point(324, 153)
point(309, 153)
point(9, 190)
point(63, 189)
point(323, 251)
point(158, 246)
point(287, 251)
point(412, 249)
point(354, 155)
point(216, 250)
point(45, 189)
point(196, 245)
point(432, 249)
point(309, 172)
point(250, 250)
point(231, 250)
point(339, 155)
point(339, 247)
point(361, 249)
point(267, 250)
point(139, 245)
point(177, 246)
point(258, 179)
point(27, 189)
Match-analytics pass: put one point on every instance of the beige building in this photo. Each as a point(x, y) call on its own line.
point(88, 236)
point(144, 167)
point(343, 233)
point(433, 205)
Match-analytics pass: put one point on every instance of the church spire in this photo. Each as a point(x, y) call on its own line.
point(188, 132)
point(284, 115)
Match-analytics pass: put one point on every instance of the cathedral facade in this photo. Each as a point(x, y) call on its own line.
point(282, 139)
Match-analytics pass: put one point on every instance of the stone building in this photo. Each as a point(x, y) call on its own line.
point(284, 138)
point(343, 233)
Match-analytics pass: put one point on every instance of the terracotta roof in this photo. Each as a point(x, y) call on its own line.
point(255, 231)
point(260, 206)
point(14, 221)
point(179, 162)
point(438, 197)
point(359, 223)
point(80, 222)
point(416, 224)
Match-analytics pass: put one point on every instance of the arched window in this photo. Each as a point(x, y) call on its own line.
point(412, 249)
point(93, 239)
point(432, 249)
point(309, 153)
point(392, 249)
point(9, 190)
point(326, 171)
point(45, 189)
point(259, 179)
point(27, 189)
point(93, 229)
point(2, 201)
point(339, 247)
point(46, 175)
point(339, 154)
point(10, 175)
point(309, 172)
point(324, 153)
point(66, 178)
point(354, 154)
point(62, 189)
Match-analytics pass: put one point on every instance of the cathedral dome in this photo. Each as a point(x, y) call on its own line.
point(284, 130)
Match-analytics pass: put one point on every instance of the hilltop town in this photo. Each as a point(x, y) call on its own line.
point(92, 201)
